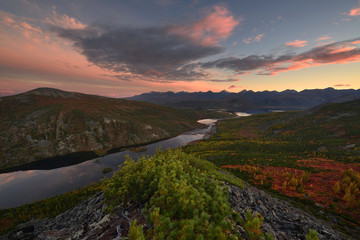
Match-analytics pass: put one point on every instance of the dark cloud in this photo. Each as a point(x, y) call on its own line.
point(339, 52)
point(234, 86)
point(159, 54)
point(246, 64)
point(152, 52)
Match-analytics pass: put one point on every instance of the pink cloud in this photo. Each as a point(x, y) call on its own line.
point(30, 51)
point(247, 40)
point(297, 43)
point(329, 54)
point(335, 53)
point(7, 19)
point(217, 25)
point(6, 92)
point(64, 21)
point(342, 49)
point(323, 38)
point(256, 38)
point(354, 12)
point(342, 85)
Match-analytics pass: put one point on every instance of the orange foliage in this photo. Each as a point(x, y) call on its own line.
point(318, 187)
point(327, 164)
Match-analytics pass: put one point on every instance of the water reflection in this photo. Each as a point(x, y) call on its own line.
point(243, 114)
point(23, 187)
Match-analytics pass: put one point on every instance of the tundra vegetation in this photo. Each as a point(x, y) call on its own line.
point(310, 158)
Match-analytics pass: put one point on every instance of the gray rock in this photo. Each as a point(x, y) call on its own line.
point(281, 219)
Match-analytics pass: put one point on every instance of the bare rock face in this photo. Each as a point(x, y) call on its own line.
point(281, 219)
point(88, 220)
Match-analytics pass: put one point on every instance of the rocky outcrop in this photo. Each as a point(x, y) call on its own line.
point(89, 220)
point(281, 219)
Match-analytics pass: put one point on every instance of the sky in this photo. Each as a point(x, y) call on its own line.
point(124, 48)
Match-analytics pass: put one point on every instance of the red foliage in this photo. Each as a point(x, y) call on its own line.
point(318, 188)
point(5, 224)
point(327, 164)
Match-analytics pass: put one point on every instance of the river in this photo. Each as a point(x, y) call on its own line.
point(21, 187)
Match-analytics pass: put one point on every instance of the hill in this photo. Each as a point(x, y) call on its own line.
point(44, 123)
point(247, 100)
point(311, 158)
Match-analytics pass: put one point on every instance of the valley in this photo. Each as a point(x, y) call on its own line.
point(179, 120)
point(308, 160)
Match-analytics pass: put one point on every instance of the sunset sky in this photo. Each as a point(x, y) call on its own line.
point(123, 48)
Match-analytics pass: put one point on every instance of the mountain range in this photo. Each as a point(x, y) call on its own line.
point(249, 100)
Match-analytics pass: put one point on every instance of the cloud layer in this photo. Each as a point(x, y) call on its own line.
point(153, 52)
point(166, 53)
point(339, 52)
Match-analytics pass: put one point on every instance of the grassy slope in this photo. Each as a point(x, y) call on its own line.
point(298, 156)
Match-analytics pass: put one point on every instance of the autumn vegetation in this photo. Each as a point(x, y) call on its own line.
point(311, 158)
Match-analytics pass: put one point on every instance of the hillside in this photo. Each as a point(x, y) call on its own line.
point(44, 123)
point(247, 100)
point(311, 158)
point(171, 195)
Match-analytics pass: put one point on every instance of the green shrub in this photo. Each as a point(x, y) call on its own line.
point(252, 226)
point(136, 232)
point(185, 197)
point(312, 235)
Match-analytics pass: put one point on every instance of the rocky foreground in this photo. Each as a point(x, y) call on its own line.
point(89, 220)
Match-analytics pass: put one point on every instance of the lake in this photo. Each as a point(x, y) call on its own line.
point(21, 187)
